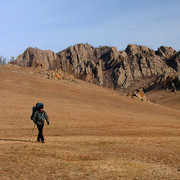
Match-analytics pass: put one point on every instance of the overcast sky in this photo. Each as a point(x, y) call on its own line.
point(58, 24)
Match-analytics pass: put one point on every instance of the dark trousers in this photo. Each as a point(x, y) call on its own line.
point(40, 135)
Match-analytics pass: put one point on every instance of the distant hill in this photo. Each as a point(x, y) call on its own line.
point(134, 68)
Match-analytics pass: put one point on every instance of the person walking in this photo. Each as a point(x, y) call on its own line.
point(38, 119)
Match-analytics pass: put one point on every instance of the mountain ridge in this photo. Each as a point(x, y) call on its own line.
point(134, 68)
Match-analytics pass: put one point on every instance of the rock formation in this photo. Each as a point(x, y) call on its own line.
point(34, 57)
point(139, 94)
point(134, 68)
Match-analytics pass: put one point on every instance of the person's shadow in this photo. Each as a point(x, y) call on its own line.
point(16, 140)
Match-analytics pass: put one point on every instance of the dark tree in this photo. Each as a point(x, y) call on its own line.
point(12, 59)
point(2, 60)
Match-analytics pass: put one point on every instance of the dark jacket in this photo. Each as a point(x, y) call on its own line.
point(38, 118)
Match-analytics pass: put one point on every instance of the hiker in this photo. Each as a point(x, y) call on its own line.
point(38, 118)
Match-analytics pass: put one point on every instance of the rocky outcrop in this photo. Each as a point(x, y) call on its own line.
point(34, 57)
point(138, 94)
point(165, 52)
point(84, 61)
point(134, 68)
point(174, 62)
point(139, 68)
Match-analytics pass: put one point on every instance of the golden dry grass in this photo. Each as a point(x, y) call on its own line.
point(165, 98)
point(94, 132)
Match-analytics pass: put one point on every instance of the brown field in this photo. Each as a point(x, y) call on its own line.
point(94, 133)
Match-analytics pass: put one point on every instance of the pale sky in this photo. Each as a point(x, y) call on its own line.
point(58, 24)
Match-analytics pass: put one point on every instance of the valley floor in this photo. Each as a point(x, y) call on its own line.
point(94, 132)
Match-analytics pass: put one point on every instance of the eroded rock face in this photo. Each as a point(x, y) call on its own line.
point(174, 62)
point(134, 68)
point(34, 57)
point(139, 64)
point(165, 52)
point(84, 61)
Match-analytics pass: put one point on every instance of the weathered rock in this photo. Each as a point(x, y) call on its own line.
point(139, 94)
point(136, 67)
point(174, 62)
point(34, 57)
point(139, 63)
point(165, 52)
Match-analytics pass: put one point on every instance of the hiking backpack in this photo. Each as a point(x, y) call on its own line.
point(36, 108)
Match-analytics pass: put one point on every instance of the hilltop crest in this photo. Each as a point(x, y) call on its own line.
point(135, 67)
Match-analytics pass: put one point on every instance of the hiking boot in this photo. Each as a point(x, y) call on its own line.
point(38, 141)
point(42, 141)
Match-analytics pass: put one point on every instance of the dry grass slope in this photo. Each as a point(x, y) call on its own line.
point(94, 133)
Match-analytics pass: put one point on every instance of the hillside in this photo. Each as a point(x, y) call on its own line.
point(94, 132)
point(165, 98)
point(133, 68)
